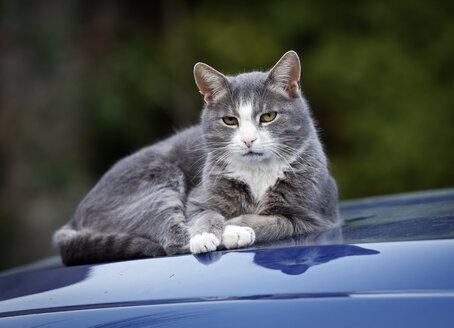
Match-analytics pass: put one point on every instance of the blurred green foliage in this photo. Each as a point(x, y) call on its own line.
point(85, 83)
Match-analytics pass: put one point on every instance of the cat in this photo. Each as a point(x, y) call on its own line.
point(253, 170)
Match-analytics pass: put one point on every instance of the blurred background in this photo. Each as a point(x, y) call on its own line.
point(84, 83)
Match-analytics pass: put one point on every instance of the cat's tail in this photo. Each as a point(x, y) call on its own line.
point(86, 246)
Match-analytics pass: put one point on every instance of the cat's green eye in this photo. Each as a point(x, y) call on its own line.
point(267, 117)
point(229, 120)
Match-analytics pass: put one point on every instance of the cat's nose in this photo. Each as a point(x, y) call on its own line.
point(249, 142)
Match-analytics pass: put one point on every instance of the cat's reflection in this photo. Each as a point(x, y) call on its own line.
point(297, 260)
point(282, 255)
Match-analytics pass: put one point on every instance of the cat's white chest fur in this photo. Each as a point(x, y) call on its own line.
point(259, 177)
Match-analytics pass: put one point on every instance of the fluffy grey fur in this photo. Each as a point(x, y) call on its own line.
point(215, 185)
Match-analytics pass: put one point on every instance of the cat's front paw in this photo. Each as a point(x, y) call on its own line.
point(203, 242)
point(236, 236)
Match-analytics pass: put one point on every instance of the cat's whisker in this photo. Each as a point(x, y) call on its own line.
point(224, 161)
point(285, 161)
point(290, 151)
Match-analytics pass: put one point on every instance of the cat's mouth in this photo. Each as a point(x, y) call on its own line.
point(252, 154)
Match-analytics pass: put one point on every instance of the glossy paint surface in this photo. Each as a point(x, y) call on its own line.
point(411, 216)
point(317, 312)
point(410, 268)
point(315, 280)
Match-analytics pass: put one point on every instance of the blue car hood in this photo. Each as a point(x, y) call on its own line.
point(373, 257)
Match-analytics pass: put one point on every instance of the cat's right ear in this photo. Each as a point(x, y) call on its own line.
point(211, 83)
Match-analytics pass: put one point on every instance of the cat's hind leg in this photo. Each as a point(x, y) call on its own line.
point(156, 209)
point(143, 206)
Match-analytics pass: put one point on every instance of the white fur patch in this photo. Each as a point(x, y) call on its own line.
point(245, 111)
point(203, 242)
point(237, 236)
point(248, 129)
point(258, 176)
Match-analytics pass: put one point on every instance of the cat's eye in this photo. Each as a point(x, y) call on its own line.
point(229, 120)
point(267, 117)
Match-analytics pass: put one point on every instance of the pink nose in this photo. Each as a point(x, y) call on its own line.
point(249, 142)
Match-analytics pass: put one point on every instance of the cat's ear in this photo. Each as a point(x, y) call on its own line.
point(211, 83)
point(284, 77)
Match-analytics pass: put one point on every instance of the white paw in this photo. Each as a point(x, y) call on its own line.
point(236, 236)
point(203, 242)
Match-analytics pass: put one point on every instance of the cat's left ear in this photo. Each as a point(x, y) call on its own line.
point(212, 84)
point(284, 77)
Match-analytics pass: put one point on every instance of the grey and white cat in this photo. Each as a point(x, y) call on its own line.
point(252, 170)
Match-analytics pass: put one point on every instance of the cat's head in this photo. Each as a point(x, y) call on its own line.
point(254, 117)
